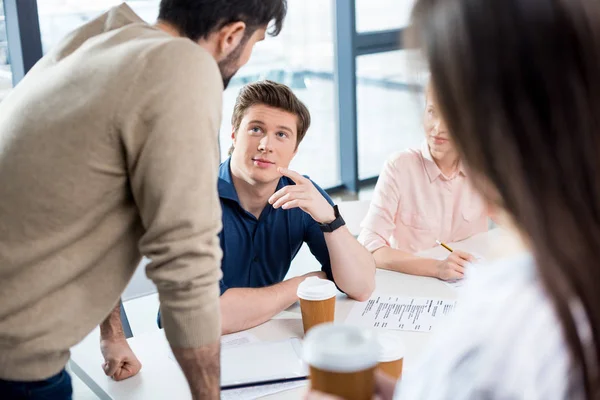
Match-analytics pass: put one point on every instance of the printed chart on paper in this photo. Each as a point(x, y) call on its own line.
point(418, 314)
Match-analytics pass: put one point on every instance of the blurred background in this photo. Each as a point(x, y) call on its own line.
point(345, 59)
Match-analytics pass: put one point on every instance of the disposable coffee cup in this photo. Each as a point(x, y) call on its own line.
point(342, 360)
point(317, 301)
point(391, 354)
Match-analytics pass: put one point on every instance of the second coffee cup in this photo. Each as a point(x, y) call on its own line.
point(342, 360)
point(317, 301)
point(391, 354)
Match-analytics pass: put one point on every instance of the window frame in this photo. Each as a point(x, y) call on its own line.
point(25, 49)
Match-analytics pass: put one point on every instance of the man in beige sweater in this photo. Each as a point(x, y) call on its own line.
point(108, 151)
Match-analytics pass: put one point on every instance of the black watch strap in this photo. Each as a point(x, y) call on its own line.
point(335, 224)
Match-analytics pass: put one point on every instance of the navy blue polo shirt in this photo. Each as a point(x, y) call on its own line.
point(259, 252)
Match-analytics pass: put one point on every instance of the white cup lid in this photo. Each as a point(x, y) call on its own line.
point(391, 347)
point(315, 288)
point(340, 348)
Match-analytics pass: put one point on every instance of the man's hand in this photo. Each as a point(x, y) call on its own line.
point(453, 267)
point(303, 195)
point(119, 361)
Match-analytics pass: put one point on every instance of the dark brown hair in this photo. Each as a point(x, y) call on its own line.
point(274, 95)
point(197, 19)
point(518, 83)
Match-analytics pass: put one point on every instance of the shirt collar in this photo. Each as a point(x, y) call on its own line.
point(225, 183)
point(433, 171)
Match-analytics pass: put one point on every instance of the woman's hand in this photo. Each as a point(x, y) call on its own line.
point(453, 267)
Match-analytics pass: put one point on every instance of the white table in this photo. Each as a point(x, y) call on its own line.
point(161, 378)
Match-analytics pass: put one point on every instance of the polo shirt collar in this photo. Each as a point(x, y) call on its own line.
point(431, 168)
point(225, 183)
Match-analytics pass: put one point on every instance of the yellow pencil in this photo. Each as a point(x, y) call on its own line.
point(444, 246)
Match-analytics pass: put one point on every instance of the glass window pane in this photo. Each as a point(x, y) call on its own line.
point(389, 107)
point(302, 58)
point(5, 70)
point(59, 17)
point(380, 15)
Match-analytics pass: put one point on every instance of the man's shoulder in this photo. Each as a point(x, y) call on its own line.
point(177, 54)
point(158, 56)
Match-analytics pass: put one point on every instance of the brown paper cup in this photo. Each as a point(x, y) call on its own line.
point(392, 368)
point(359, 385)
point(391, 354)
point(342, 360)
point(317, 312)
point(317, 301)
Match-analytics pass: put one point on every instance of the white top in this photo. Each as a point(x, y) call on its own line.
point(504, 342)
point(341, 348)
point(315, 289)
point(391, 348)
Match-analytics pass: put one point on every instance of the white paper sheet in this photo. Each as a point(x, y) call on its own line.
point(255, 392)
point(417, 314)
point(238, 339)
point(229, 341)
point(239, 352)
point(260, 362)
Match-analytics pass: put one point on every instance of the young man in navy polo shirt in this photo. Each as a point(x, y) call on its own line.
point(269, 211)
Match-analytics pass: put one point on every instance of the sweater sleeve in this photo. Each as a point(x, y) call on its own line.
point(169, 128)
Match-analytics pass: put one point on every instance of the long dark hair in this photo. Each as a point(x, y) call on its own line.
point(518, 82)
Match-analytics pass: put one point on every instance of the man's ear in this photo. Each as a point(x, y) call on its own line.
point(229, 38)
point(233, 136)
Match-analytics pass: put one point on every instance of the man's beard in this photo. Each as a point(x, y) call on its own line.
point(228, 66)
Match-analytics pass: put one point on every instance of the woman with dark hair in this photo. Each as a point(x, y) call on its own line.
point(518, 83)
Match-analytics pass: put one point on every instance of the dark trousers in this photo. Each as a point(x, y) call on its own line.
point(57, 387)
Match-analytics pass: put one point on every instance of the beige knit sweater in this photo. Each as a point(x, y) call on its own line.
point(108, 151)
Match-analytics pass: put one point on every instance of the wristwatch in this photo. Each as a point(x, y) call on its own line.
point(336, 223)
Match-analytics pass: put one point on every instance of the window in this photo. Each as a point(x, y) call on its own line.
point(302, 58)
point(5, 70)
point(389, 107)
point(379, 15)
point(59, 17)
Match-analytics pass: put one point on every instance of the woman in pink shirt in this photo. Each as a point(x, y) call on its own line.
point(423, 195)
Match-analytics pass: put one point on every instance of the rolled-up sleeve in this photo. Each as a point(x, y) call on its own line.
point(380, 221)
point(172, 156)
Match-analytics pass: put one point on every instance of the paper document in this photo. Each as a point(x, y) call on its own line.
point(455, 284)
point(229, 341)
point(248, 361)
point(255, 392)
point(417, 314)
point(237, 339)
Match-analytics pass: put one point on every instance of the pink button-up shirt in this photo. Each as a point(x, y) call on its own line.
point(414, 204)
